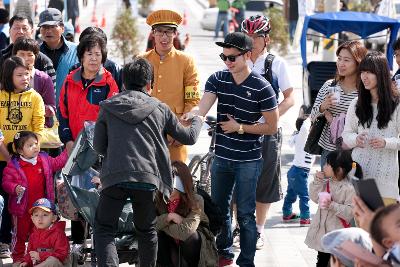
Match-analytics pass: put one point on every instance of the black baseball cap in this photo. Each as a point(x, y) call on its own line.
point(50, 16)
point(237, 40)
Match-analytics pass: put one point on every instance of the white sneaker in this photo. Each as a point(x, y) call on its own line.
point(236, 237)
point(4, 251)
point(260, 241)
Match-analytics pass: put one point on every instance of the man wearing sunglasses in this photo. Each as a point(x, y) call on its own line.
point(175, 74)
point(275, 70)
point(243, 98)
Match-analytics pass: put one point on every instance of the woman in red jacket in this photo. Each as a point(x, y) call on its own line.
point(81, 93)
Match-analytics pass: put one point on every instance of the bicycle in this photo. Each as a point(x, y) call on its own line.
point(200, 166)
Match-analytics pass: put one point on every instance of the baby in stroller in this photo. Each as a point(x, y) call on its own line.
point(78, 194)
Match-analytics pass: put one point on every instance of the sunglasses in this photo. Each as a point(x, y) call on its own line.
point(231, 58)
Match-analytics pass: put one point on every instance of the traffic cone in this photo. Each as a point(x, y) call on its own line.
point(184, 20)
point(77, 28)
point(94, 18)
point(103, 22)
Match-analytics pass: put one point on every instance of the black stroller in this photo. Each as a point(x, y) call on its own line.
point(78, 199)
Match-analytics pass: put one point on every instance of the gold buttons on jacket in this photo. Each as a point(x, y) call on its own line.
point(159, 76)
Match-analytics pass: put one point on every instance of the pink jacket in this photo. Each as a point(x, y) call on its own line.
point(13, 176)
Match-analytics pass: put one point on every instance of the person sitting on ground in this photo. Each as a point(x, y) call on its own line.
point(48, 244)
point(183, 235)
point(333, 191)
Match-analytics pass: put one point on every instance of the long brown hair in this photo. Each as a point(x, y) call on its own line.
point(187, 202)
point(357, 51)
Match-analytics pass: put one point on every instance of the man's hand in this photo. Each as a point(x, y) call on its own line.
point(34, 256)
point(229, 126)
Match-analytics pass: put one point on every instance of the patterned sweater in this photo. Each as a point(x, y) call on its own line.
point(379, 164)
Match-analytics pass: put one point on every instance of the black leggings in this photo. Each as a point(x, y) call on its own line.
point(169, 251)
point(323, 259)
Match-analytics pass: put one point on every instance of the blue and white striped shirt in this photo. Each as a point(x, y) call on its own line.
point(243, 102)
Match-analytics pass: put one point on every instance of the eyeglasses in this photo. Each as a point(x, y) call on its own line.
point(160, 33)
point(231, 58)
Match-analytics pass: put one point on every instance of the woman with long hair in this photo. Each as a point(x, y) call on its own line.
point(184, 238)
point(349, 56)
point(373, 125)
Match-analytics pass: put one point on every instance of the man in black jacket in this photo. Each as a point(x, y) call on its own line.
point(131, 132)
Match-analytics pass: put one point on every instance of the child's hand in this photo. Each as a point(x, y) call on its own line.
point(319, 175)
point(174, 217)
point(19, 190)
point(34, 256)
point(23, 264)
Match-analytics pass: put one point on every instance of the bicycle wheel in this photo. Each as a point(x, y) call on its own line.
point(194, 167)
point(205, 175)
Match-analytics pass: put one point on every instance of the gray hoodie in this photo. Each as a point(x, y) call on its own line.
point(131, 132)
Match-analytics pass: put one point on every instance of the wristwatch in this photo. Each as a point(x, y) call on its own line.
point(240, 131)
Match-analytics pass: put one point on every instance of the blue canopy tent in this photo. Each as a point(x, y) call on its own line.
point(360, 23)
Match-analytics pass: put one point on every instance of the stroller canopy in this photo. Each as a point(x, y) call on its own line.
point(360, 23)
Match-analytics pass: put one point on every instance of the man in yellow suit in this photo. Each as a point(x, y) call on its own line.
point(176, 80)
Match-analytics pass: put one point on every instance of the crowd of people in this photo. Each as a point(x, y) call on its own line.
point(147, 111)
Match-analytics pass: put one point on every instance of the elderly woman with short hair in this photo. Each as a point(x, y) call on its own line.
point(81, 94)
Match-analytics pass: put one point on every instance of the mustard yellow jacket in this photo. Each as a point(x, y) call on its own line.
point(176, 80)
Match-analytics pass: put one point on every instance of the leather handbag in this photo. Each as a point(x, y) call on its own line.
point(314, 135)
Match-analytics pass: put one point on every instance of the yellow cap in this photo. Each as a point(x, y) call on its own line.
point(164, 17)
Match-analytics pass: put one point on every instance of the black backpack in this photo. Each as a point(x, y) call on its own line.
point(268, 74)
point(212, 211)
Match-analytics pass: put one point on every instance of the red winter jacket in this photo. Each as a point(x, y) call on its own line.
point(48, 242)
point(78, 104)
point(13, 176)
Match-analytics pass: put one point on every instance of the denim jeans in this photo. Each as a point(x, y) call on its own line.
point(297, 186)
point(225, 175)
point(222, 18)
point(112, 200)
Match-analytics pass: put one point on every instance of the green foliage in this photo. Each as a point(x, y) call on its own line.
point(279, 30)
point(125, 35)
point(363, 6)
point(145, 3)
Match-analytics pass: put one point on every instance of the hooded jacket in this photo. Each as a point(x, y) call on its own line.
point(131, 132)
point(48, 242)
